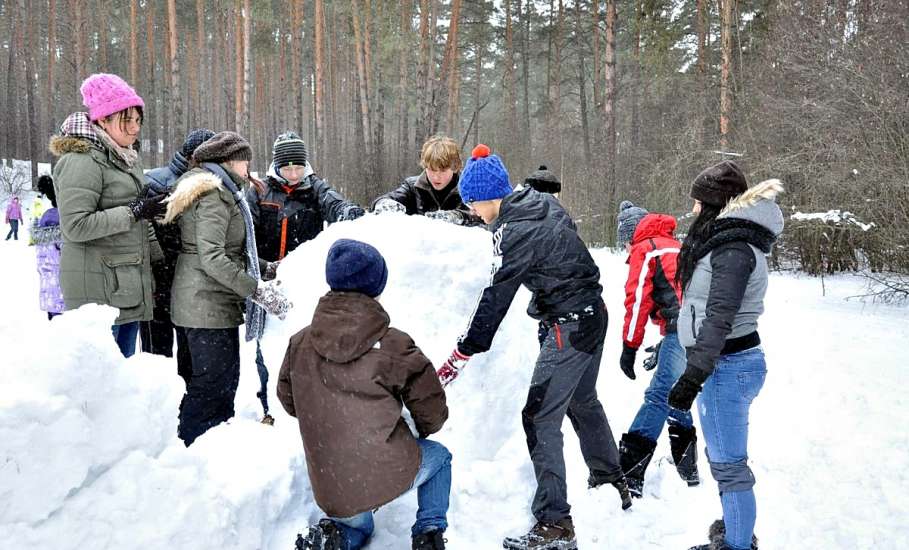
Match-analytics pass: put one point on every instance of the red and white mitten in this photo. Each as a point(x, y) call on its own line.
point(452, 367)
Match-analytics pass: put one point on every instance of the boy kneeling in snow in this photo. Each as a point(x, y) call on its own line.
point(536, 244)
point(345, 378)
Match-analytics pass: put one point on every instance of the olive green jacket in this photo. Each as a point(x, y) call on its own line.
point(106, 257)
point(210, 283)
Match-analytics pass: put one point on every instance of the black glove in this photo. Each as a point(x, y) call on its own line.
point(271, 271)
point(148, 208)
point(651, 362)
point(682, 394)
point(627, 361)
point(353, 213)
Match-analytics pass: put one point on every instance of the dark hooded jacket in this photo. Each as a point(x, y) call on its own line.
point(160, 182)
point(419, 197)
point(345, 377)
point(286, 217)
point(535, 243)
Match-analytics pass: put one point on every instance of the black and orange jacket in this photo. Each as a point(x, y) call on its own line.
point(286, 217)
point(651, 291)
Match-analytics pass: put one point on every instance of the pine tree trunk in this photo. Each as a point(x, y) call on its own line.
point(636, 75)
point(297, 72)
point(103, 27)
point(50, 108)
point(238, 71)
point(176, 102)
point(424, 79)
point(247, 63)
point(702, 36)
point(478, 77)
point(78, 37)
point(320, 81)
point(361, 77)
point(726, 71)
point(197, 83)
point(556, 111)
point(454, 81)
point(582, 86)
point(30, 85)
point(609, 117)
point(152, 115)
point(525, 77)
point(510, 91)
point(10, 128)
point(595, 30)
point(403, 99)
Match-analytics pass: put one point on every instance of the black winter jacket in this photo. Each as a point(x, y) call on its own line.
point(287, 217)
point(535, 243)
point(160, 182)
point(418, 197)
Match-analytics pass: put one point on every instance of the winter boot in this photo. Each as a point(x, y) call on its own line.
point(323, 536)
point(635, 452)
point(683, 443)
point(430, 540)
point(545, 536)
point(596, 479)
point(717, 537)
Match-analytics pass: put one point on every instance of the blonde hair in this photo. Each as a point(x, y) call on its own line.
point(440, 153)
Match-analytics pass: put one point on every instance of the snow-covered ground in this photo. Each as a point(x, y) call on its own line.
point(89, 457)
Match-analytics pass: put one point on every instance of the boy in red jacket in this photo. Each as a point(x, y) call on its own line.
point(651, 291)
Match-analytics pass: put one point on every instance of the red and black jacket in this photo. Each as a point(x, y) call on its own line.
point(286, 217)
point(651, 290)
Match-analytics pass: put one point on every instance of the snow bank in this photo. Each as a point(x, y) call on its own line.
point(89, 457)
point(833, 216)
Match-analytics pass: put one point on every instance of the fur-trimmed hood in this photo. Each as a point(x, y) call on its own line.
point(188, 189)
point(758, 205)
point(61, 145)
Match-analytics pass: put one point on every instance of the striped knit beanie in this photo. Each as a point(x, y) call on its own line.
point(289, 150)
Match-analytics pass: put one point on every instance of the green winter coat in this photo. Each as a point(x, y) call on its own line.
point(210, 283)
point(106, 257)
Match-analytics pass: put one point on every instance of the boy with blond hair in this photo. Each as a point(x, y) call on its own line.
point(434, 192)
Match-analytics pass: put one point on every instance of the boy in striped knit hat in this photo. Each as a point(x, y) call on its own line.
point(290, 208)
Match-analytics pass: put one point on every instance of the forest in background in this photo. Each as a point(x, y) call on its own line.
point(621, 99)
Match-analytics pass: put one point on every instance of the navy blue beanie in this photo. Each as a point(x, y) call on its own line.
point(484, 178)
point(354, 266)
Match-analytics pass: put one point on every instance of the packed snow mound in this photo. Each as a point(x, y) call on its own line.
point(836, 217)
point(89, 457)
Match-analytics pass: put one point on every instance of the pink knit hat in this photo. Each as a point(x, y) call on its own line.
point(106, 94)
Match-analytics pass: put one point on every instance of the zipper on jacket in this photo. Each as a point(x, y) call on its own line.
point(694, 334)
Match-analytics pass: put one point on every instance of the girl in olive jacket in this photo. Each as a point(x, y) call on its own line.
point(214, 278)
point(108, 242)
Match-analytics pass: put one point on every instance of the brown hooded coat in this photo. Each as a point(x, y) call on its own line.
point(345, 377)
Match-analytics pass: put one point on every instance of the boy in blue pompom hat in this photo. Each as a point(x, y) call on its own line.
point(536, 244)
point(345, 378)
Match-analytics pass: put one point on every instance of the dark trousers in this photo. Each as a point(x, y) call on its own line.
point(13, 230)
point(564, 382)
point(184, 358)
point(157, 336)
point(209, 398)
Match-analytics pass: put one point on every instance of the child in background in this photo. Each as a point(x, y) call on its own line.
point(48, 242)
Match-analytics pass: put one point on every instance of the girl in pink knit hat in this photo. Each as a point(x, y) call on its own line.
point(104, 212)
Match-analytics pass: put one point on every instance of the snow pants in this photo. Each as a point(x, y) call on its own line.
point(564, 382)
point(13, 230)
point(723, 405)
point(209, 398)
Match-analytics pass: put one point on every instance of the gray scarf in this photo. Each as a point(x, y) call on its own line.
point(255, 315)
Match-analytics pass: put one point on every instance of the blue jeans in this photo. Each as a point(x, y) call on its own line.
point(433, 483)
point(723, 405)
point(656, 410)
point(125, 336)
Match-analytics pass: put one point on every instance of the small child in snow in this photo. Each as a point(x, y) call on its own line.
point(345, 378)
point(48, 242)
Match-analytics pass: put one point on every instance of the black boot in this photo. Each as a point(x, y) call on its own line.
point(545, 536)
point(717, 537)
point(323, 536)
point(621, 485)
point(683, 443)
point(635, 452)
point(430, 540)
